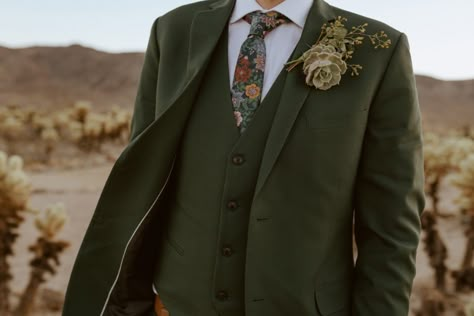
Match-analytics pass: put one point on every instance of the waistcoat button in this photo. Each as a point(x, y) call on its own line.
point(238, 159)
point(222, 295)
point(232, 204)
point(227, 251)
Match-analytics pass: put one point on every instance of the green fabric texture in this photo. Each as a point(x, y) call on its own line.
point(353, 152)
point(204, 180)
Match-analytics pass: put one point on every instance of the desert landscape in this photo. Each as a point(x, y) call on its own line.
point(64, 119)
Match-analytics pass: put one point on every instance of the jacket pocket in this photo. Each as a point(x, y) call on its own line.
point(333, 296)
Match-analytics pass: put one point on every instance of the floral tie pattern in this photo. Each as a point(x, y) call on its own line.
point(249, 71)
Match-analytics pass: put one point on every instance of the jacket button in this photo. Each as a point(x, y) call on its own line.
point(222, 295)
point(238, 159)
point(232, 204)
point(227, 251)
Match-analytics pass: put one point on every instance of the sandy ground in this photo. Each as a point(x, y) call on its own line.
point(80, 189)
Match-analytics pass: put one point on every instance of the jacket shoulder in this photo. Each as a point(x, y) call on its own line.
point(183, 14)
point(373, 25)
point(366, 52)
point(176, 23)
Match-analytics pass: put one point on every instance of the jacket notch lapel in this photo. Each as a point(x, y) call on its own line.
point(206, 27)
point(295, 91)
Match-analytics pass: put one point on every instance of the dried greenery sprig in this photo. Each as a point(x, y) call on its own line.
point(326, 60)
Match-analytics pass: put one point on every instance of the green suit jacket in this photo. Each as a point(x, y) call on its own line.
point(350, 154)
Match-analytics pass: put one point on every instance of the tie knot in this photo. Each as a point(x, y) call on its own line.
point(261, 23)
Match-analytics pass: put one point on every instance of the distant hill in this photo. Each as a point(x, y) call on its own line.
point(56, 76)
point(52, 76)
point(446, 104)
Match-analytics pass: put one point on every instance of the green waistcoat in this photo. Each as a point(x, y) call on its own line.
point(201, 266)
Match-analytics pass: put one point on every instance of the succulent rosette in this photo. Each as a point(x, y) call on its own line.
point(323, 67)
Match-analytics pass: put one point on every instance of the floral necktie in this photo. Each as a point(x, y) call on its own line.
point(249, 71)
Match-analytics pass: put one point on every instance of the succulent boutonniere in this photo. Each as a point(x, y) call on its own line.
point(325, 61)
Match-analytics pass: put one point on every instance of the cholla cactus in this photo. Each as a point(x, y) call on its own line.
point(90, 129)
point(432, 303)
point(442, 155)
point(82, 126)
point(462, 148)
point(10, 129)
point(46, 254)
point(52, 221)
point(80, 111)
point(436, 165)
point(435, 248)
point(436, 156)
point(464, 180)
point(117, 124)
point(50, 137)
point(11, 125)
point(469, 309)
point(92, 133)
point(15, 188)
point(439, 303)
point(468, 131)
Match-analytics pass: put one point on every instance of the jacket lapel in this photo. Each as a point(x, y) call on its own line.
point(295, 91)
point(206, 27)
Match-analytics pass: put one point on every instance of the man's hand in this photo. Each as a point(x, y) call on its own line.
point(160, 309)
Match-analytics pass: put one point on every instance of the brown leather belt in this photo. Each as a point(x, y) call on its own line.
point(160, 309)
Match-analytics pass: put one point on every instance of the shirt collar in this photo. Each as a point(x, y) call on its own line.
point(296, 12)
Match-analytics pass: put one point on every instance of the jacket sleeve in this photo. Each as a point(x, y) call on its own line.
point(144, 108)
point(389, 193)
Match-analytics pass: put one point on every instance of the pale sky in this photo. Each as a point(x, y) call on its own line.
point(439, 31)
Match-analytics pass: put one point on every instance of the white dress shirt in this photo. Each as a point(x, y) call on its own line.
point(280, 42)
